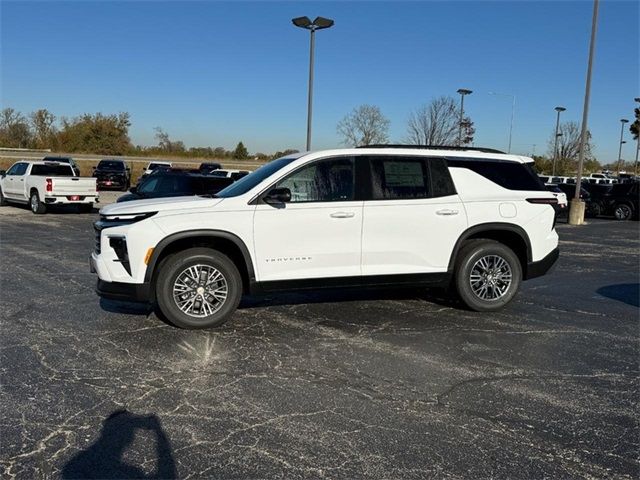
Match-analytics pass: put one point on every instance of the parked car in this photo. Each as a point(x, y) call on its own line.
point(171, 183)
point(475, 219)
point(233, 174)
point(208, 167)
point(152, 166)
point(621, 201)
point(68, 160)
point(561, 207)
point(40, 184)
point(112, 174)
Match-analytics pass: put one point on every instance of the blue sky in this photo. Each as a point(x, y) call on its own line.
point(214, 73)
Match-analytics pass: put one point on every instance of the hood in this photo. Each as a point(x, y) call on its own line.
point(159, 205)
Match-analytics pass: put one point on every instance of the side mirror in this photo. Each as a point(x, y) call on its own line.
point(277, 196)
point(133, 189)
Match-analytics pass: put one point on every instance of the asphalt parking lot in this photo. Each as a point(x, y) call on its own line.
point(374, 384)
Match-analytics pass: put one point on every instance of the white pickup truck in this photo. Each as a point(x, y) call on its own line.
point(42, 183)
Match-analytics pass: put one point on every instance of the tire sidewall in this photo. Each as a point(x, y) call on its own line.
point(176, 265)
point(39, 207)
point(469, 256)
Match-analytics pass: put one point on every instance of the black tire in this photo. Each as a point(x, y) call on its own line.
point(36, 205)
point(623, 212)
point(195, 315)
point(494, 254)
point(593, 209)
point(3, 201)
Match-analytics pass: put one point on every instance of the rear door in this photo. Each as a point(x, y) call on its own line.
point(412, 217)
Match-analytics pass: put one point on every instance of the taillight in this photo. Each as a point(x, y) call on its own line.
point(543, 201)
point(49, 187)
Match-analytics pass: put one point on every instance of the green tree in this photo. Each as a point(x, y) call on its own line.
point(634, 128)
point(240, 152)
point(96, 133)
point(44, 132)
point(14, 129)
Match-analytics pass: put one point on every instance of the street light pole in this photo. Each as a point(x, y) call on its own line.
point(576, 207)
point(318, 24)
point(555, 145)
point(513, 108)
point(622, 122)
point(462, 92)
point(635, 167)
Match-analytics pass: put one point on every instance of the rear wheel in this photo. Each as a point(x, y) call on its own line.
point(36, 205)
point(198, 288)
point(487, 275)
point(623, 212)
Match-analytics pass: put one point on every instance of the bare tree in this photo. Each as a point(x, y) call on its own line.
point(438, 123)
point(365, 125)
point(569, 147)
point(166, 144)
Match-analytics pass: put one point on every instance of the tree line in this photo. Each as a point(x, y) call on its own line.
point(102, 134)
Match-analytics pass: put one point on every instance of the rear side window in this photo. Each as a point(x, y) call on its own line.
point(441, 182)
point(395, 178)
point(509, 175)
point(64, 170)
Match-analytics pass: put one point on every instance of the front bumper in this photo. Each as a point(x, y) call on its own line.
point(539, 268)
point(130, 292)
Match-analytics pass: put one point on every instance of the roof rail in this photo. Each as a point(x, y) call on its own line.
point(432, 147)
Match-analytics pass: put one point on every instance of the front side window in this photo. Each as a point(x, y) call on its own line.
point(14, 169)
point(396, 178)
point(323, 181)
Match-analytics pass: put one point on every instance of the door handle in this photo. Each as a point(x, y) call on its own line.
point(447, 212)
point(342, 215)
point(22, 179)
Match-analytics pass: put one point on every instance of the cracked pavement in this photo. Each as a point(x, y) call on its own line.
point(341, 384)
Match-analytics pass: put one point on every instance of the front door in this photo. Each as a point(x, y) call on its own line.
point(316, 234)
point(14, 181)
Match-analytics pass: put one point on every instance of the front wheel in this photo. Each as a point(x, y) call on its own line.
point(198, 288)
point(3, 200)
point(487, 275)
point(622, 212)
point(37, 206)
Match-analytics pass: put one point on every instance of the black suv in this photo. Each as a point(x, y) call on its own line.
point(621, 201)
point(208, 167)
point(112, 174)
point(176, 183)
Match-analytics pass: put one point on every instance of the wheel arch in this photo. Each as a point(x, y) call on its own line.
point(220, 240)
point(509, 234)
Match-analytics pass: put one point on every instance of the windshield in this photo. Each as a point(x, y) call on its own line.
point(247, 183)
point(166, 185)
point(111, 165)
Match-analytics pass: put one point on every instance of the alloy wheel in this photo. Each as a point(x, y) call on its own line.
point(490, 277)
point(200, 290)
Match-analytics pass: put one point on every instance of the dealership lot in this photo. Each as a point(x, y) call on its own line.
point(385, 384)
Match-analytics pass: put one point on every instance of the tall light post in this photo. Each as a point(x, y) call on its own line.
point(462, 92)
point(622, 122)
point(513, 109)
point(635, 166)
point(318, 24)
point(576, 207)
point(555, 145)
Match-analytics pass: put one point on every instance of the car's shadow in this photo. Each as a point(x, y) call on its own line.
point(628, 293)
point(437, 296)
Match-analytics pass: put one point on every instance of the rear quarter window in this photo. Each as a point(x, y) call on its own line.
point(509, 175)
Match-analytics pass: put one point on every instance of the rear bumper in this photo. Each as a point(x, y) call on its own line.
point(539, 268)
point(131, 292)
point(66, 199)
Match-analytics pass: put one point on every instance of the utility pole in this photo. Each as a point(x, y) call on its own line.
point(576, 207)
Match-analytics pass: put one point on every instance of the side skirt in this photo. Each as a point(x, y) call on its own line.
point(400, 280)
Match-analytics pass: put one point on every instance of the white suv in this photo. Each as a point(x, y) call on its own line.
point(475, 220)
